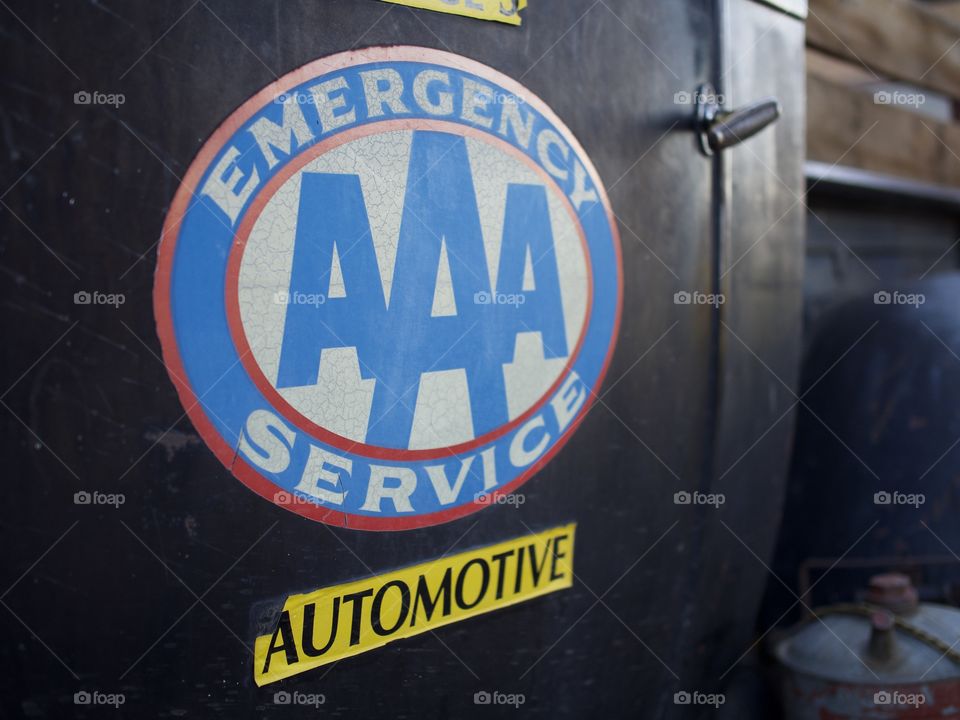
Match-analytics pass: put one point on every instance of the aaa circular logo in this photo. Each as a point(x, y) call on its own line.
point(388, 288)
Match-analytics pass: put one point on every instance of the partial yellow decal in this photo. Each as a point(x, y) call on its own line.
point(505, 11)
point(327, 625)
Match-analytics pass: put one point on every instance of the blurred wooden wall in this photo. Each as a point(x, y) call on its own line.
point(883, 83)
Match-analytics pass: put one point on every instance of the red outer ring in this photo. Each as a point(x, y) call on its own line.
point(279, 403)
point(167, 251)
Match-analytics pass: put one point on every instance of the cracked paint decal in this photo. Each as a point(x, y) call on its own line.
point(388, 288)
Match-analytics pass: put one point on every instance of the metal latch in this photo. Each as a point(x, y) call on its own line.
point(719, 129)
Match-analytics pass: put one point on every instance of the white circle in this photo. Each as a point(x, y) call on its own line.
point(341, 399)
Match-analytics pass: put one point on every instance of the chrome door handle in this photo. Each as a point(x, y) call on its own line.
point(719, 129)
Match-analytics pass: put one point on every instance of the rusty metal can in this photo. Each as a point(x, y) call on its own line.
point(889, 657)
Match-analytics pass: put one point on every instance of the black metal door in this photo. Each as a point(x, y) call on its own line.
point(160, 598)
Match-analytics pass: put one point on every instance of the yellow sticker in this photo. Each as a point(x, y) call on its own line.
point(332, 623)
point(505, 11)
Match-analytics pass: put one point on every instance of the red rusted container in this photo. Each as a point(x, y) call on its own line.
point(890, 657)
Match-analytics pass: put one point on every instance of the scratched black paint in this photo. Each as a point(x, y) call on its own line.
point(157, 598)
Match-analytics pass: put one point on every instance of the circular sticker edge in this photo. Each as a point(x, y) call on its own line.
point(187, 191)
